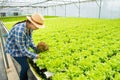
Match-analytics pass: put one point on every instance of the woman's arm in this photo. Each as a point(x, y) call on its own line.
point(20, 42)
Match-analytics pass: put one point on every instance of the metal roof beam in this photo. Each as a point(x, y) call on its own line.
point(71, 3)
point(48, 5)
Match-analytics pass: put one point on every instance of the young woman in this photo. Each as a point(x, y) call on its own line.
point(20, 39)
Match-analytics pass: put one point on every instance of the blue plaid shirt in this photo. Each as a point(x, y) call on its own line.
point(19, 41)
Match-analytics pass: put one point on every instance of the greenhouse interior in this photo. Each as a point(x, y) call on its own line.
point(75, 8)
point(60, 39)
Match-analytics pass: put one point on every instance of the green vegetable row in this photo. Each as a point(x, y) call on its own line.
point(80, 48)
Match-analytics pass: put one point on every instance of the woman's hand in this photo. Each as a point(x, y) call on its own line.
point(38, 56)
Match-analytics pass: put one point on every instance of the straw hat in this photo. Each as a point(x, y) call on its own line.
point(37, 20)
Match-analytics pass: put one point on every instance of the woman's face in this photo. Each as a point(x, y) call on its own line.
point(31, 26)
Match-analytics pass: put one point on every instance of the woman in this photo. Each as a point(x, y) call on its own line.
point(20, 39)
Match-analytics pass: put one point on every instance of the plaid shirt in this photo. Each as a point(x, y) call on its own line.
point(19, 40)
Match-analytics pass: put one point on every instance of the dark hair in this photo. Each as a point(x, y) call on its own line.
point(22, 22)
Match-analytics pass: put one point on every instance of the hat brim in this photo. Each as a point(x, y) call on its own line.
point(36, 25)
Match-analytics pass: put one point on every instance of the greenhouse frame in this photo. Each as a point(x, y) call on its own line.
point(67, 8)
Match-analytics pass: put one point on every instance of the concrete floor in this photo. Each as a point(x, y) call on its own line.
point(11, 71)
point(7, 73)
point(3, 75)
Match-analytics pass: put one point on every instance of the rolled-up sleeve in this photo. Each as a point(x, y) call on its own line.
point(32, 45)
point(20, 42)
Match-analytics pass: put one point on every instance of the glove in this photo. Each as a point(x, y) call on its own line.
point(38, 56)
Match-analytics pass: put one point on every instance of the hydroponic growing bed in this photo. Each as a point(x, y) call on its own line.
point(79, 48)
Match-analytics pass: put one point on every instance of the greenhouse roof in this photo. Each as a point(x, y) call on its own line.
point(38, 3)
